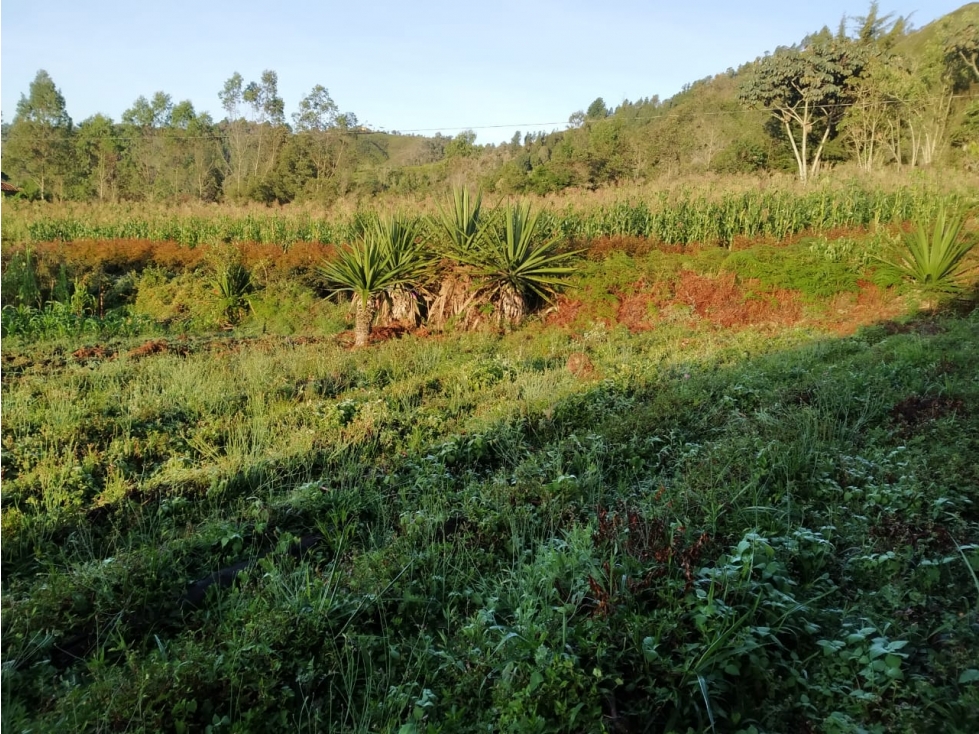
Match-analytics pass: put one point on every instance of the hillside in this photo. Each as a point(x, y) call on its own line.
point(906, 100)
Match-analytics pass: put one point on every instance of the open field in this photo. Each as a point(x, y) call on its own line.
point(727, 488)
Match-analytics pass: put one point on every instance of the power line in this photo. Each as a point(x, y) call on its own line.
point(162, 132)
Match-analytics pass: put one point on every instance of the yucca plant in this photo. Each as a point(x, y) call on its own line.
point(233, 283)
point(513, 266)
point(409, 256)
point(387, 256)
point(933, 253)
point(460, 224)
point(457, 227)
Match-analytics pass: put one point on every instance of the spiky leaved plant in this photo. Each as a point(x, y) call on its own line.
point(461, 223)
point(933, 253)
point(404, 241)
point(457, 228)
point(513, 266)
point(387, 255)
point(233, 283)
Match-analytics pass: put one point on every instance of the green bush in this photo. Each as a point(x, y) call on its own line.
point(794, 267)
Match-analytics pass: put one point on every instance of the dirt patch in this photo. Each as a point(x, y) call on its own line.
point(564, 312)
point(916, 410)
point(581, 366)
point(384, 333)
point(634, 312)
point(601, 248)
point(345, 339)
point(847, 312)
point(158, 346)
point(893, 532)
point(728, 303)
point(18, 364)
point(923, 326)
point(723, 301)
point(96, 353)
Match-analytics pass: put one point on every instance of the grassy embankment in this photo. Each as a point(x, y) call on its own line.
point(693, 496)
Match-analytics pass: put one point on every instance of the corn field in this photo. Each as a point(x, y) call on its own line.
point(672, 217)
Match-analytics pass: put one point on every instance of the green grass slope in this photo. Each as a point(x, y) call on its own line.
point(668, 530)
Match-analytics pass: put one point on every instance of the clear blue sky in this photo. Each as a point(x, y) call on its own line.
point(494, 66)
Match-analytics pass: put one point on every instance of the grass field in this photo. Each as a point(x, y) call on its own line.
point(705, 491)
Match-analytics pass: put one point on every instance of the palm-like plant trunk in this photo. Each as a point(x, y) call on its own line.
point(404, 306)
point(362, 323)
point(512, 305)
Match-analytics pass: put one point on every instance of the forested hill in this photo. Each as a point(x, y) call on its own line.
point(890, 96)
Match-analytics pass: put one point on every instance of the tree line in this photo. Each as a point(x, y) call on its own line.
point(874, 93)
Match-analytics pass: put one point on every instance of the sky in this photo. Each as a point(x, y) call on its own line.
point(494, 67)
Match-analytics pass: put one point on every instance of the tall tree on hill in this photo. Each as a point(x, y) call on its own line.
point(231, 96)
point(255, 140)
point(195, 152)
point(875, 94)
point(807, 89)
point(321, 137)
point(147, 168)
point(268, 117)
point(38, 147)
point(597, 110)
point(98, 155)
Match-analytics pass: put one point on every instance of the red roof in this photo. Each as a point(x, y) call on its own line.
point(8, 188)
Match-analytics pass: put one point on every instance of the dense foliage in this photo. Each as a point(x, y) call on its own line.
point(876, 93)
point(675, 501)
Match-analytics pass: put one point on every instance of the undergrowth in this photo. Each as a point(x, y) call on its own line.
point(601, 530)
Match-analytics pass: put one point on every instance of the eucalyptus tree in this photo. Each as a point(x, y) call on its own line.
point(98, 153)
point(231, 96)
point(37, 152)
point(316, 125)
point(146, 165)
point(195, 152)
point(268, 118)
point(255, 129)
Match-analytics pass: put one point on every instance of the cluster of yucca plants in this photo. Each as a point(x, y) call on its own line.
point(460, 259)
point(511, 265)
point(384, 262)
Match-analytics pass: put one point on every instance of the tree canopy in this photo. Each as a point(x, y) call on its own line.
point(873, 94)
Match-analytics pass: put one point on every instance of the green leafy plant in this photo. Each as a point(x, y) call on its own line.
point(388, 256)
point(513, 266)
point(461, 223)
point(233, 283)
point(933, 257)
